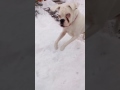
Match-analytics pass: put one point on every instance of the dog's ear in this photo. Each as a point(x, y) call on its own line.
point(73, 6)
point(58, 8)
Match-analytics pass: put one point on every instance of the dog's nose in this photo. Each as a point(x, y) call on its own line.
point(62, 21)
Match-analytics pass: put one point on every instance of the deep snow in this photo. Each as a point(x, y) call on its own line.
point(55, 69)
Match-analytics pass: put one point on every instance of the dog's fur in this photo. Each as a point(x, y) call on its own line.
point(74, 22)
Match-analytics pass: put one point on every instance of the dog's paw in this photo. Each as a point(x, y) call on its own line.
point(62, 48)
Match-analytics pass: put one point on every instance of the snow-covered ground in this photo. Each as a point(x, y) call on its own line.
point(55, 69)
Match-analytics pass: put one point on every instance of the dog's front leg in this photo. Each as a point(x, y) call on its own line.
point(59, 38)
point(64, 45)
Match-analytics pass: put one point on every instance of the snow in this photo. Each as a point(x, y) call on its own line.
point(55, 69)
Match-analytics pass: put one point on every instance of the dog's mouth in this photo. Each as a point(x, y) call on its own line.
point(62, 25)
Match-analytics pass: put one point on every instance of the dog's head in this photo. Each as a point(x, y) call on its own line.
point(66, 13)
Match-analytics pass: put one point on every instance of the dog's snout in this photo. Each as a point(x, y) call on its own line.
point(62, 21)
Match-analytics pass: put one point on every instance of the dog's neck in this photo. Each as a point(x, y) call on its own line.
point(76, 15)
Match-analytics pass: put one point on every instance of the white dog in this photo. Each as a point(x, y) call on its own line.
point(72, 21)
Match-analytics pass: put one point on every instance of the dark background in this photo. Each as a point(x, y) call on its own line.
point(102, 50)
point(17, 45)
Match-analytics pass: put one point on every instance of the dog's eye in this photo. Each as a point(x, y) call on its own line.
point(68, 15)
